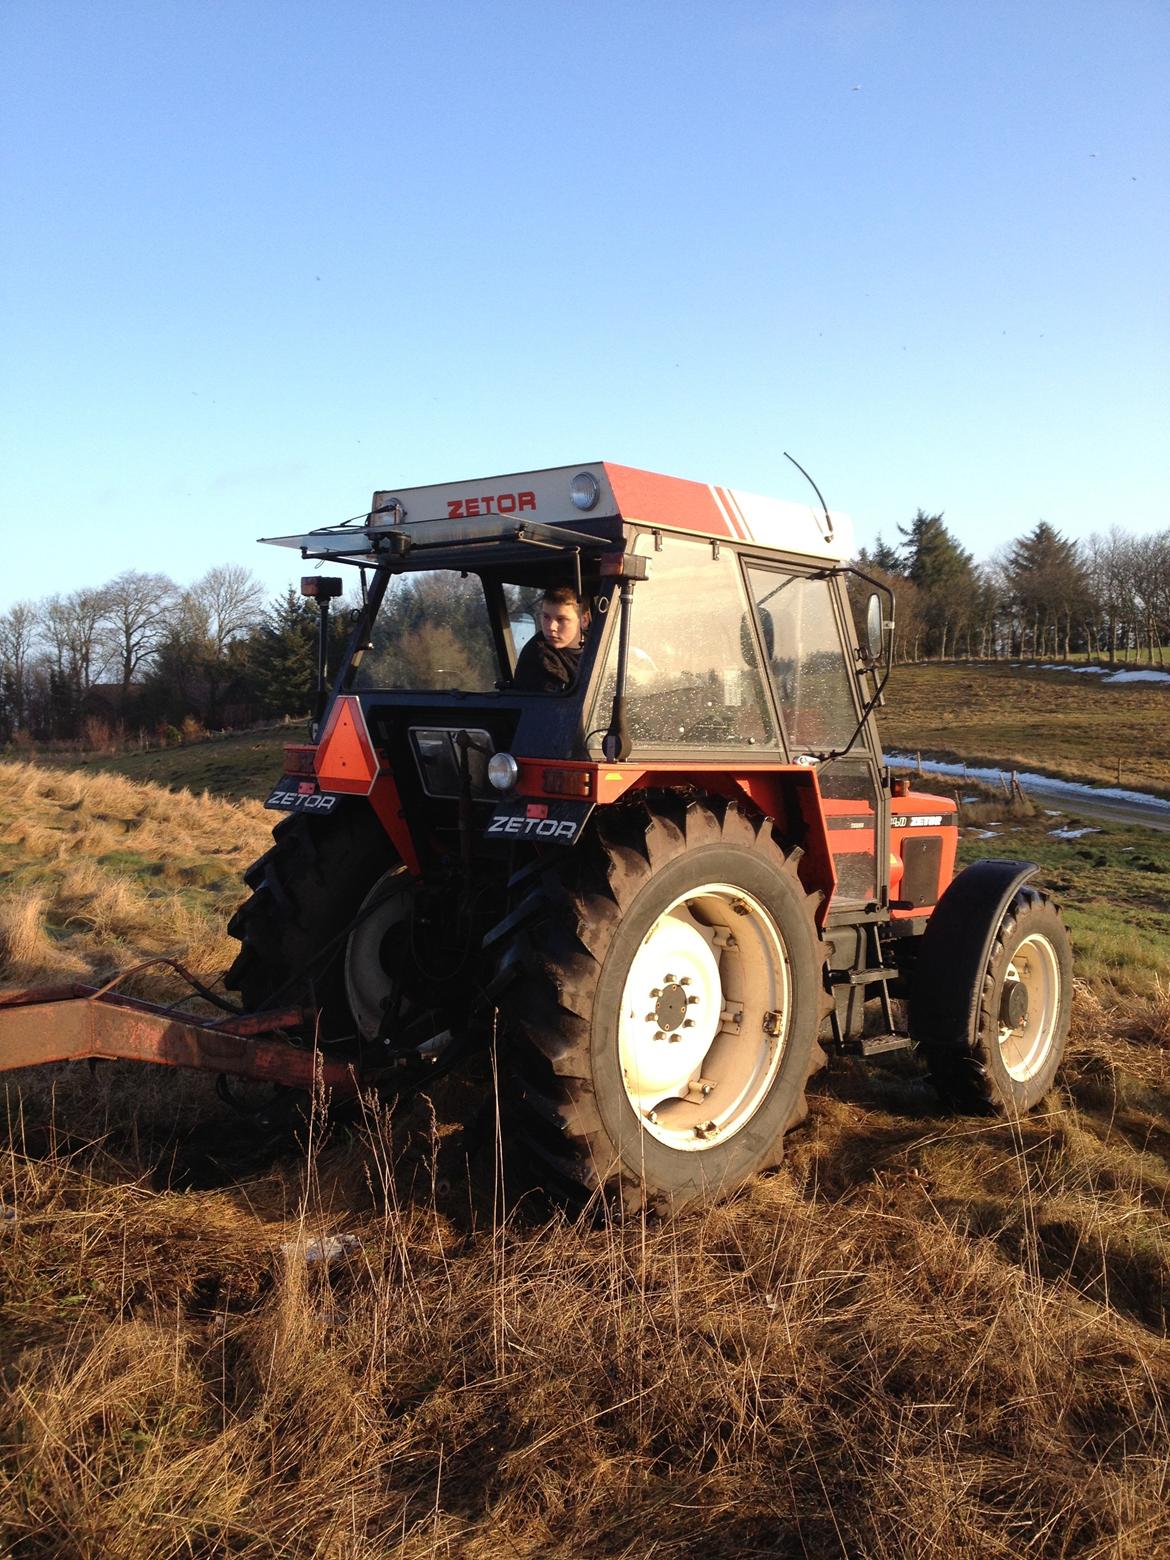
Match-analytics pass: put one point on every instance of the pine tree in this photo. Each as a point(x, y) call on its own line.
point(944, 573)
point(1049, 585)
point(283, 656)
point(881, 556)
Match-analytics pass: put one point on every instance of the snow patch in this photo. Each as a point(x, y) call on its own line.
point(1070, 788)
point(1138, 674)
point(1071, 834)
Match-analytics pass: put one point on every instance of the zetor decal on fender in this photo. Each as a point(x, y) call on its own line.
point(517, 825)
point(490, 504)
point(292, 795)
point(551, 822)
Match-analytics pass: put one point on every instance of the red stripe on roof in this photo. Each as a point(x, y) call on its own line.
point(735, 520)
point(738, 514)
point(666, 501)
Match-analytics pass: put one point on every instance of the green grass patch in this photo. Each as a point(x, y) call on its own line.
point(1113, 885)
point(238, 766)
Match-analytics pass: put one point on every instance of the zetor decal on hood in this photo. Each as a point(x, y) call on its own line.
point(490, 504)
point(551, 822)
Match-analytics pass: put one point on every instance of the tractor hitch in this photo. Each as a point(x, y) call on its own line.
point(77, 1023)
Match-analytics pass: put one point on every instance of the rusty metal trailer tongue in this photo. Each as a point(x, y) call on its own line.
point(77, 1023)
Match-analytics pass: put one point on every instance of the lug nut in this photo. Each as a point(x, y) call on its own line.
point(688, 1023)
point(685, 981)
point(691, 1001)
point(669, 979)
point(655, 991)
point(658, 1035)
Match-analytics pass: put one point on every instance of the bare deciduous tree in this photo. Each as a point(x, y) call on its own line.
point(137, 616)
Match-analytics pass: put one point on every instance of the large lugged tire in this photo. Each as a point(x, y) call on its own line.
point(996, 1047)
point(306, 890)
point(663, 1010)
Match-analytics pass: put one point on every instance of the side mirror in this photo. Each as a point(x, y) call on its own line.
point(874, 626)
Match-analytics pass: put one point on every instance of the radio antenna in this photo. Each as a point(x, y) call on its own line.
point(817, 491)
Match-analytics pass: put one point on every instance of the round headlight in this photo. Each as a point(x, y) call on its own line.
point(584, 490)
point(503, 771)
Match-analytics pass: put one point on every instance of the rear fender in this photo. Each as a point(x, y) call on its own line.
point(790, 795)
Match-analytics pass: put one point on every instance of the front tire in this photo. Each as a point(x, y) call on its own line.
point(998, 1051)
point(663, 1017)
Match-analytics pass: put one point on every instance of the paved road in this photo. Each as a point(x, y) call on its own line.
point(1080, 801)
point(1151, 814)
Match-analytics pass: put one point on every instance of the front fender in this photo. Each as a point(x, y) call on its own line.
point(955, 949)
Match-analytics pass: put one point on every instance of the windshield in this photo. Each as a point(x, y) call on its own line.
point(433, 633)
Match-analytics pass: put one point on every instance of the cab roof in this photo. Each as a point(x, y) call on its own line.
point(568, 506)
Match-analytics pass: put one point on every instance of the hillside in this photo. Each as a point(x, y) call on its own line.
point(1065, 723)
point(925, 1336)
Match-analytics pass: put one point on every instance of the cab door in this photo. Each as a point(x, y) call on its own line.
point(809, 637)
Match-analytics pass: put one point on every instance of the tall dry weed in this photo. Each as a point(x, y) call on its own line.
point(27, 953)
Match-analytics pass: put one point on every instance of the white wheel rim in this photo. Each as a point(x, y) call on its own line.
point(1025, 1047)
point(706, 1011)
point(368, 983)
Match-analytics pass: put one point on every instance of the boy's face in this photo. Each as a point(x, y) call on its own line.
point(562, 624)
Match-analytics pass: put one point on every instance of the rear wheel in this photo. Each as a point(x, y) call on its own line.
point(306, 891)
point(1000, 1047)
point(662, 1022)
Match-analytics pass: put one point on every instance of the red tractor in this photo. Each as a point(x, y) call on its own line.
point(667, 872)
point(597, 775)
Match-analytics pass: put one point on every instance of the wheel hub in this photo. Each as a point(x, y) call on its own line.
point(671, 1008)
point(1029, 1007)
point(1013, 1007)
point(374, 955)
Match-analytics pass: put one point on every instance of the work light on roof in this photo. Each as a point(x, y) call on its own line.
point(584, 490)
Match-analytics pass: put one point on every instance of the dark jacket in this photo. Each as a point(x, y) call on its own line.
point(542, 668)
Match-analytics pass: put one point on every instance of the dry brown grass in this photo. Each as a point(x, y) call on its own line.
point(924, 1337)
point(98, 873)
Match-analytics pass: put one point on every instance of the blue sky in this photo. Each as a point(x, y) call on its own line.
point(258, 259)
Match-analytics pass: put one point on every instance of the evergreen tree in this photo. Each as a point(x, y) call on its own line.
point(881, 557)
point(944, 574)
point(1049, 586)
point(283, 656)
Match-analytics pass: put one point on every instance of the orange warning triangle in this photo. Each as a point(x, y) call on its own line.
point(346, 760)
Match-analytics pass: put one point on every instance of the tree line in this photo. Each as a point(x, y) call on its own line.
point(1041, 597)
point(141, 653)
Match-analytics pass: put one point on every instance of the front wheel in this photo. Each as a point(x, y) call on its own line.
point(1000, 1049)
point(663, 1020)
